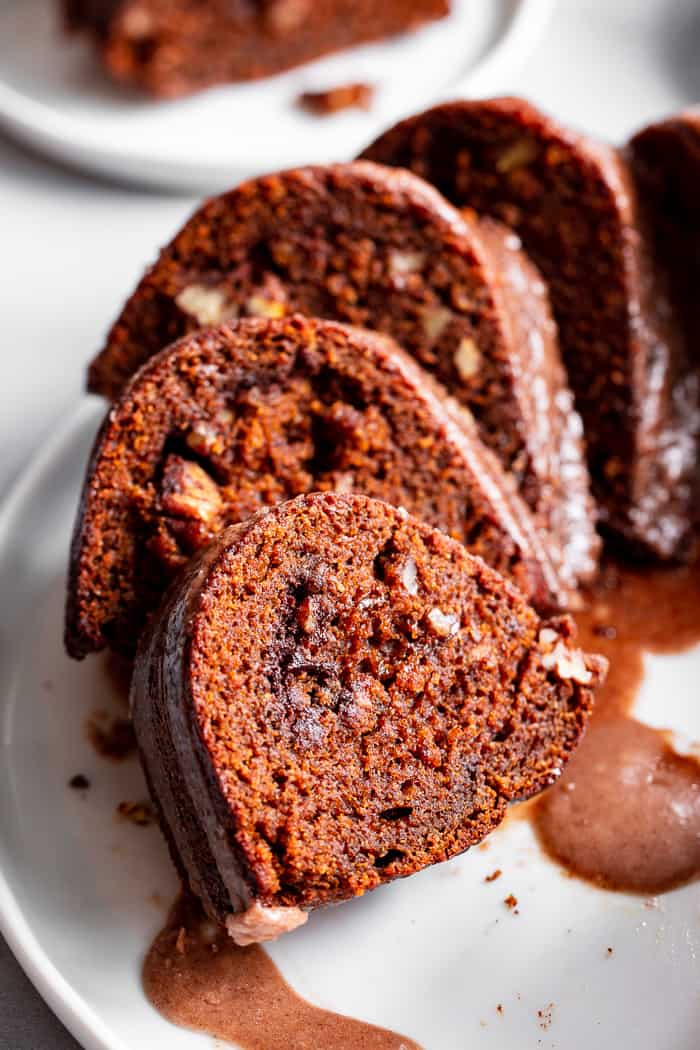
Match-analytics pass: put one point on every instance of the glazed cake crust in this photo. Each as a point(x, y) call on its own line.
point(573, 203)
point(380, 248)
point(233, 419)
point(665, 159)
point(334, 695)
point(174, 47)
point(556, 485)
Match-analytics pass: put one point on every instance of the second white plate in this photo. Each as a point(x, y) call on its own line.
point(54, 96)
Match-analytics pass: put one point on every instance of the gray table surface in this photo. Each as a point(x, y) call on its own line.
point(71, 246)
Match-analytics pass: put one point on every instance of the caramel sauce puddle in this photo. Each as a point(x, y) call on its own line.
point(626, 812)
point(197, 978)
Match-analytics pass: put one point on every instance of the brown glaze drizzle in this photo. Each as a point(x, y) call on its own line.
point(626, 813)
point(197, 978)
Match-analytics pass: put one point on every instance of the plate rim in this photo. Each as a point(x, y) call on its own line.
point(72, 1010)
point(63, 137)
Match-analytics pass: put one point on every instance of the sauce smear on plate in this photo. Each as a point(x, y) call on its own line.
point(626, 812)
point(196, 977)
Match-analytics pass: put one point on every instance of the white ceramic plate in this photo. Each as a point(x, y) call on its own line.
point(54, 97)
point(432, 956)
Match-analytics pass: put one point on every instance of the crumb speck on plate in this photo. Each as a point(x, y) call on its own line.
point(333, 100)
point(139, 813)
point(111, 737)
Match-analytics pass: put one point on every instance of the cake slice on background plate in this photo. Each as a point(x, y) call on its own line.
point(175, 47)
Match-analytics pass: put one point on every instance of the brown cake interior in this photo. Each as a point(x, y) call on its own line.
point(239, 418)
point(366, 696)
point(353, 243)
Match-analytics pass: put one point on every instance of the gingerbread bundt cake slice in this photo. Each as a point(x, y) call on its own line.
point(382, 249)
point(573, 203)
point(236, 418)
point(334, 695)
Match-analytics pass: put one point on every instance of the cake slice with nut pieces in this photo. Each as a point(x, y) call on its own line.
point(382, 249)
